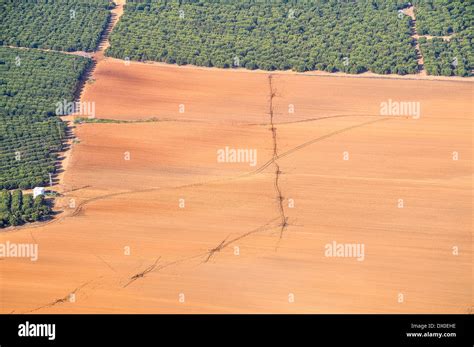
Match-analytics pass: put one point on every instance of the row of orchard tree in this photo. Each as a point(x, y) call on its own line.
point(32, 84)
point(17, 208)
point(349, 36)
point(452, 55)
point(65, 25)
point(329, 35)
point(31, 134)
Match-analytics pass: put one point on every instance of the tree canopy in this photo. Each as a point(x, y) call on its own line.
point(350, 36)
point(17, 209)
point(63, 25)
point(31, 84)
point(454, 55)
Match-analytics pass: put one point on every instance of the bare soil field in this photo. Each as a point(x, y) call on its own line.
point(157, 224)
point(143, 91)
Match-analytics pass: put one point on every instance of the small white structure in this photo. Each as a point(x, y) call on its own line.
point(38, 191)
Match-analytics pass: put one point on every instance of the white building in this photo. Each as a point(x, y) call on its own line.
point(38, 191)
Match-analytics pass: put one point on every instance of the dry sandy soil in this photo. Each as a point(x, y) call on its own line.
point(226, 250)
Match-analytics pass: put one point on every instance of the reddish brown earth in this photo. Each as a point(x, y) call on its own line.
point(135, 203)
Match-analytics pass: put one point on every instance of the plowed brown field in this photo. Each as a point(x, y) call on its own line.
point(226, 250)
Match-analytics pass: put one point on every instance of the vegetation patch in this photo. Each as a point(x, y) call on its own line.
point(452, 19)
point(80, 120)
point(349, 36)
point(62, 25)
point(31, 134)
point(17, 208)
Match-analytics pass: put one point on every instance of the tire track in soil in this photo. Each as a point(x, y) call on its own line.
point(142, 273)
point(310, 142)
point(279, 197)
point(209, 254)
point(282, 218)
point(225, 243)
point(63, 299)
point(85, 202)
